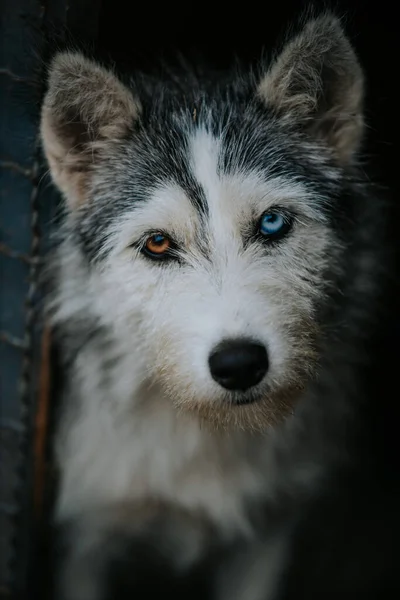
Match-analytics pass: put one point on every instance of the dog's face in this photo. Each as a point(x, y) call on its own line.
point(207, 228)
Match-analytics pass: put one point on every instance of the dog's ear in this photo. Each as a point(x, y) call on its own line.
point(316, 82)
point(86, 108)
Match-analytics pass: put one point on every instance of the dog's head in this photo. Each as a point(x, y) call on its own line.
point(207, 224)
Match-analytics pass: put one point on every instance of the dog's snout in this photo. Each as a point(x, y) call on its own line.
point(238, 364)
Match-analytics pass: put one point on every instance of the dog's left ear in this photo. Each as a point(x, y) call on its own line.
point(317, 83)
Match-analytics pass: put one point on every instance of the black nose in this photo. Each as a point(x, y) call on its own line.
point(238, 364)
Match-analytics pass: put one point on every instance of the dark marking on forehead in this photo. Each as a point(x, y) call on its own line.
point(169, 158)
point(157, 155)
point(251, 141)
point(256, 141)
point(192, 188)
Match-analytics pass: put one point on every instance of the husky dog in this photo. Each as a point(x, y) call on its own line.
point(214, 287)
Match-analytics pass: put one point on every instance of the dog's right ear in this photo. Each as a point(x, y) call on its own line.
point(86, 108)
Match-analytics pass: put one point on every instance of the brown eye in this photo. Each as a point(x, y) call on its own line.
point(157, 245)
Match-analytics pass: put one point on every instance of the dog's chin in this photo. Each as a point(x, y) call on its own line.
point(250, 411)
point(243, 398)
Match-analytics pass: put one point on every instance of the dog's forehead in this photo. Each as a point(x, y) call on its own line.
point(195, 186)
point(197, 199)
point(188, 179)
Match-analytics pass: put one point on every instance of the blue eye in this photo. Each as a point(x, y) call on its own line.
point(274, 225)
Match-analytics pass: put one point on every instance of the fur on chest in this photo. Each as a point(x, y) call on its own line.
point(155, 453)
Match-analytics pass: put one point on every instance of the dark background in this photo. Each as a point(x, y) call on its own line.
point(349, 541)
